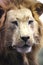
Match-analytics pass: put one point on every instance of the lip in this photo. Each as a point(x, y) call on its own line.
point(24, 49)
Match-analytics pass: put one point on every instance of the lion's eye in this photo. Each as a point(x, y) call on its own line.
point(30, 22)
point(15, 22)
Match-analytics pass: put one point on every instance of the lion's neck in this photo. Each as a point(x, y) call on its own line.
point(18, 59)
point(27, 59)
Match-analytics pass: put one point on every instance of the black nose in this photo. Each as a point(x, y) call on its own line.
point(25, 38)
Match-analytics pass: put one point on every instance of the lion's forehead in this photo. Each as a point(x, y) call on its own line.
point(19, 13)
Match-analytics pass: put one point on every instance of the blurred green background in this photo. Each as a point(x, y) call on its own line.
point(40, 57)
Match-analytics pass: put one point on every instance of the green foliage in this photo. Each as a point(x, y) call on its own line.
point(40, 57)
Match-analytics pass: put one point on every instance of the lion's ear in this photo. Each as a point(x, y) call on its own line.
point(2, 16)
point(39, 8)
point(40, 12)
point(37, 11)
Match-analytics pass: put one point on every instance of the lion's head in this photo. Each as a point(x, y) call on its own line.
point(22, 30)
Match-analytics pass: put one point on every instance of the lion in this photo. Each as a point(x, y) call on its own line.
point(21, 35)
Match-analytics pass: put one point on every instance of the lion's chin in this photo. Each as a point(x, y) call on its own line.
point(24, 50)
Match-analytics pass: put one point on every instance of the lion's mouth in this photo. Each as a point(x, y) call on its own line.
point(24, 49)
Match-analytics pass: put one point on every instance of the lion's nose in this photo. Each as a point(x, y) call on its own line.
point(25, 38)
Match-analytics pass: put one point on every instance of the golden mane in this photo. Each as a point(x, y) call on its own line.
point(7, 4)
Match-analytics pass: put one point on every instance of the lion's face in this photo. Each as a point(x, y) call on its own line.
point(22, 30)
